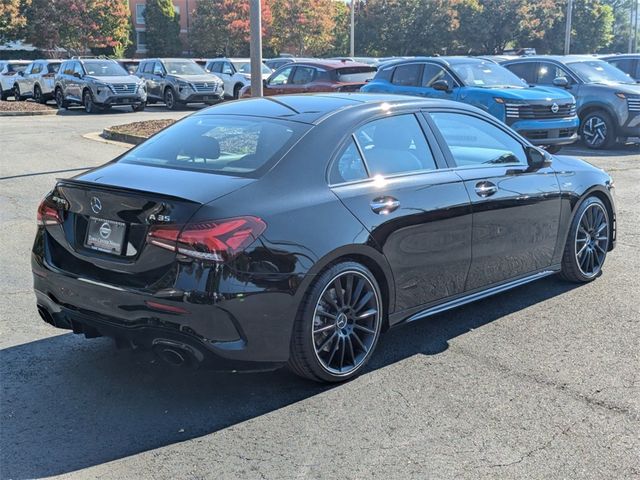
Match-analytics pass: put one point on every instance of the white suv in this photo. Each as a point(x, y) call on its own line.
point(235, 73)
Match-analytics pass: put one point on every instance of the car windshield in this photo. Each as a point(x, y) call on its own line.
point(487, 75)
point(245, 67)
point(597, 71)
point(16, 67)
point(355, 74)
point(104, 69)
point(225, 145)
point(184, 68)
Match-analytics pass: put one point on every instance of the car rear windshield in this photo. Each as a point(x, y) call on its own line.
point(104, 69)
point(355, 74)
point(229, 145)
point(184, 68)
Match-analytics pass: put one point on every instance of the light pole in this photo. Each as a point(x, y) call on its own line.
point(352, 41)
point(255, 47)
point(567, 31)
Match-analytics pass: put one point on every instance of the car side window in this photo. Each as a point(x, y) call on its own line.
point(303, 75)
point(77, 69)
point(37, 68)
point(157, 69)
point(474, 142)
point(70, 68)
point(348, 167)
point(432, 73)
point(29, 68)
point(53, 68)
point(548, 72)
point(215, 67)
point(226, 69)
point(407, 75)
point(526, 71)
point(281, 78)
point(395, 145)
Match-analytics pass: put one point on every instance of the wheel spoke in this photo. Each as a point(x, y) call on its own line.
point(363, 301)
point(350, 344)
point(343, 348)
point(358, 291)
point(339, 292)
point(324, 329)
point(336, 346)
point(349, 288)
point(327, 342)
point(367, 314)
point(357, 339)
point(581, 251)
point(326, 314)
point(364, 329)
point(329, 299)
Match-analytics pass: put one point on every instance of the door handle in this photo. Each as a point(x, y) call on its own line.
point(486, 189)
point(384, 205)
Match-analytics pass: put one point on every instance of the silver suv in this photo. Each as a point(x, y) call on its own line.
point(178, 81)
point(37, 81)
point(98, 84)
point(9, 71)
point(608, 100)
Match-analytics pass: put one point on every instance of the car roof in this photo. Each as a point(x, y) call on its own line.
point(452, 60)
point(621, 55)
point(313, 108)
point(331, 64)
point(170, 59)
point(556, 58)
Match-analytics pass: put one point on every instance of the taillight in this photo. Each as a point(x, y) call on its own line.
point(48, 215)
point(215, 240)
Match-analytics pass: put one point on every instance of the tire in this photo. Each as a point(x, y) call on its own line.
point(597, 130)
point(553, 149)
point(338, 324)
point(87, 101)
point(59, 98)
point(16, 94)
point(139, 108)
point(4, 96)
point(170, 99)
point(587, 243)
point(236, 91)
point(37, 95)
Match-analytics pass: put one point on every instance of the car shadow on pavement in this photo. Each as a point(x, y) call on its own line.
point(68, 403)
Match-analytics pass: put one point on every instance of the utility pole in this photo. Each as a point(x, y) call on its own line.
point(352, 42)
point(636, 14)
point(567, 31)
point(255, 47)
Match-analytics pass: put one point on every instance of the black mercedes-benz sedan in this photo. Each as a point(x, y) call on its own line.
point(294, 230)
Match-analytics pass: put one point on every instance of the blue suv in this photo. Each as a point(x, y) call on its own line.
point(546, 116)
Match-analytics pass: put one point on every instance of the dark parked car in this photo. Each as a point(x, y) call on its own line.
point(607, 99)
point(316, 76)
point(295, 229)
point(179, 81)
point(629, 63)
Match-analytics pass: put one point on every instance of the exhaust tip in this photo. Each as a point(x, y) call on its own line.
point(174, 357)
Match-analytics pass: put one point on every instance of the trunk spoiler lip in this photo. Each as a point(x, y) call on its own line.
point(114, 188)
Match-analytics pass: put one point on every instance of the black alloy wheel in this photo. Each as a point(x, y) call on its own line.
point(598, 131)
point(339, 324)
point(587, 243)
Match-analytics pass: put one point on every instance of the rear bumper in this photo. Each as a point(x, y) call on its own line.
point(239, 325)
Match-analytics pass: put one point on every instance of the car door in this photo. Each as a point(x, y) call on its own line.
point(302, 80)
point(76, 83)
point(24, 81)
point(156, 80)
point(516, 210)
point(278, 81)
point(387, 175)
point(226, 74)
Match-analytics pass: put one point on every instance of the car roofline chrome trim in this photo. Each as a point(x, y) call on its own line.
point(458, 302)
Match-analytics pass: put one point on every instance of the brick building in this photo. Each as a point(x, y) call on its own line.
point(183, 7)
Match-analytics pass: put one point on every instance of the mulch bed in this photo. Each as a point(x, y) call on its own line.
point(141, 129)
point(23, 107)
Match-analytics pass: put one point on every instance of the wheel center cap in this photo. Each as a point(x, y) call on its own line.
point(341, 321)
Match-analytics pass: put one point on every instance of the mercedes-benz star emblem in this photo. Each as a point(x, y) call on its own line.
point(105, 230)
point(96, 205)
point(555, 108)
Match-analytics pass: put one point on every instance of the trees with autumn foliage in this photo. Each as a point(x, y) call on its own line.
point(12, 18)
point(221, 27)
point(77, 25)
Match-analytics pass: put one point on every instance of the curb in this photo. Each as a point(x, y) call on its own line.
point(97, 137)
point(122, 137)
point(36, 113)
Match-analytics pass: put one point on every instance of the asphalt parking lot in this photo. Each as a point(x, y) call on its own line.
point(541, 382)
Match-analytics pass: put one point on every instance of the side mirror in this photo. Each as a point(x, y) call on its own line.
point(562, 82)
point(21, 73)
point(537, 158)
point(77, 75)
point(441, 85)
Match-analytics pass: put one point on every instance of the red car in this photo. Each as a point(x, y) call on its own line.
point(316, 76)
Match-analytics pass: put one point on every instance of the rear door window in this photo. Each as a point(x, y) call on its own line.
point(395, 145)
point(349, 166)
point(526, 71)
point(407, 75)
point(303, 75)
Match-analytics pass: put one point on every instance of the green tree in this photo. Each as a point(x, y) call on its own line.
point(163, 28)
point(591, 29)
point(12, 19)
point(112, 22)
